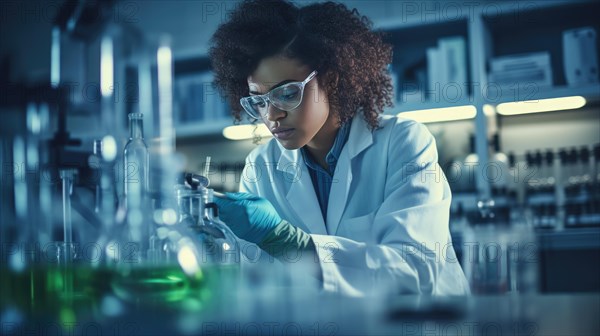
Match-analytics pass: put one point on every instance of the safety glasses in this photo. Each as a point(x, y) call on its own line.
point(286, 97)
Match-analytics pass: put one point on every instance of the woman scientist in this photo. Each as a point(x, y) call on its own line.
point(360, 191)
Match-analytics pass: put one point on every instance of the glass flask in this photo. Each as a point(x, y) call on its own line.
point(154, 259)
point(198, 212)
point(222, 243)
point(149, 259)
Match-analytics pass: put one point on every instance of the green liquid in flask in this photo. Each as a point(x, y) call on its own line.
point(163, 284)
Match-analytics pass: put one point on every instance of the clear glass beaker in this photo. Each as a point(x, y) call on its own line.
point(499, 260)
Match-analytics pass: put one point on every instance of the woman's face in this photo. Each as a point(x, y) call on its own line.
point(311, 122)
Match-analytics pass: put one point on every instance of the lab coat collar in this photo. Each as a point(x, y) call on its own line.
point(360, 139)
point(361, 136)
point(301, 193)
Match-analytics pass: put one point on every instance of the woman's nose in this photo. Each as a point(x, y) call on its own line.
point(274, 114)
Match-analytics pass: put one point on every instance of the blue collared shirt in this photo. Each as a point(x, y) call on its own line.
point(321, 177)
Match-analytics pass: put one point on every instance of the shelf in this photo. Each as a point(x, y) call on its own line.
point(418, 22)
point(538, 29)
point(566, 239)
point(422, 14)
point(572, 238)
point(590, 92)
point(547, 15)
point(424, 32)
point(410, 65)
point(426, 105)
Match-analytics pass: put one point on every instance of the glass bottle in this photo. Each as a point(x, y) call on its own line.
point(575, 172)
point(471, 163)
point(499, 180)
point(586, 173)
point(513, 200)
point(550, 171)
point(135, 162)
point(501, 163)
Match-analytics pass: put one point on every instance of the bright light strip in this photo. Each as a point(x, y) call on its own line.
point(244, 132)
point(165, 98)
point(145, 88)
point(106, 67)
point(541, 105)
point(20, 187)
point(441, 114)
point(55, 58)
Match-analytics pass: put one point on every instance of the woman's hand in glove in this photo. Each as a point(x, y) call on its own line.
point(250, 217)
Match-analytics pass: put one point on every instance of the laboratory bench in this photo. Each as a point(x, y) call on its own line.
point(289, 312)
point(79, 299)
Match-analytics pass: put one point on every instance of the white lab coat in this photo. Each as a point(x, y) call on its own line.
point(387, 219)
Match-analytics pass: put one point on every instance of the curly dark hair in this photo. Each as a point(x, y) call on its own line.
point(350, 58)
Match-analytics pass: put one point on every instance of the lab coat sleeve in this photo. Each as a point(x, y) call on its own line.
point(403, 250)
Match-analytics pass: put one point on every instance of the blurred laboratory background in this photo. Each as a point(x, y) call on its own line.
point(509, 89)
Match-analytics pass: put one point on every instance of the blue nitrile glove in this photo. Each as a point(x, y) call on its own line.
point(249, 216)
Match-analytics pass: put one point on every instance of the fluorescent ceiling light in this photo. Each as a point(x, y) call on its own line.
point(441, 114)
point(106, 67)
point(541, 105)
point(244, 132)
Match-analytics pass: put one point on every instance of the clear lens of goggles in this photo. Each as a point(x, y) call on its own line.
point(286, 97)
